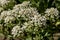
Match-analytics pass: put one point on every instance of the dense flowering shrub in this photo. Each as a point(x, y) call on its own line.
point(26, 22)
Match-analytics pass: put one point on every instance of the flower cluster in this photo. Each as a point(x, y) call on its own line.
point(16, 31)
point(23, 12)
point(25, 4)
point(24, 18)
point(52, 13)
point(4, 2)
point(30, 15)
point(7, 4)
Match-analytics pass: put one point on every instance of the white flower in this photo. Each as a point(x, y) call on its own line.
point(52, 12)
point(15, 30)
point(4, 2)
point(5, 13)
point(23, 5)
point(9, 18)
point(39, 20)
point(24, 12)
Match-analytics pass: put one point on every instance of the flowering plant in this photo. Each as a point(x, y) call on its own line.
point(29, 20)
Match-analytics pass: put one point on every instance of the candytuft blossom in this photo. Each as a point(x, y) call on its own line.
point(52, 13)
